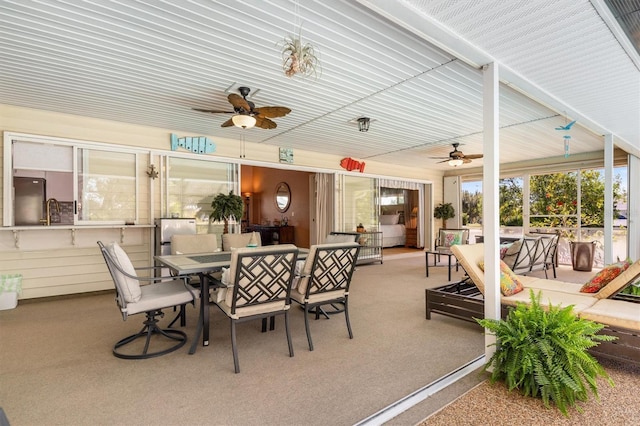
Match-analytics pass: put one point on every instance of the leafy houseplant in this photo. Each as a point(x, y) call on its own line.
point(444, 211)
point(225, 206)
point(544, 353)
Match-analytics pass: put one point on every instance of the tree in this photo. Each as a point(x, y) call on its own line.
point(444, 211)
point(510, 192)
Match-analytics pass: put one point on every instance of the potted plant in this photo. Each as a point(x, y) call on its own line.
point(444, 211)
point(543, 352)
point(226, 206)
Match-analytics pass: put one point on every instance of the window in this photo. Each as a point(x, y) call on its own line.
point(359, 203)
point(106, 186)
point(192, 184)
point(57, 181)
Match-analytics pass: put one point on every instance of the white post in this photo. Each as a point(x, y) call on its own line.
point(633, 207)
point(608, 199)
point(490, 197)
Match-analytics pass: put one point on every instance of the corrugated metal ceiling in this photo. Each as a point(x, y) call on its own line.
point(150, 62)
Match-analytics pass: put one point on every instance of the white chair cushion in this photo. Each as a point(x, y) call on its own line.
point(162, 295)
point(616, 313)
point(555, 298)
point(234, 241)
point(129, 287)
point(193, 243)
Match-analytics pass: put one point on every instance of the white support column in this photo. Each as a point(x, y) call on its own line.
point(633, 206)
point(490, 197)
point(608, 199)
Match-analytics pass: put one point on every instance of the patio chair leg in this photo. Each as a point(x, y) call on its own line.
point(286, 326)
point(234, 347)
point(306, 326)
point(346, 315)
point(199, 329)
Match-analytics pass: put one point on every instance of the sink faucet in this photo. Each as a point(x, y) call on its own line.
point(56, 204)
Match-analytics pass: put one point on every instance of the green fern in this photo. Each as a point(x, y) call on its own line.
point(543, 353)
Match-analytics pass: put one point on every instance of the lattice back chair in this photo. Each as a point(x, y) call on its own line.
point(520, 262)
point(550, 243)
point(325, 280)
point(133, 298)
point(259, 287)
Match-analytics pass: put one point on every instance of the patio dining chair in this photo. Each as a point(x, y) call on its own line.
point(545, 256)
point(325, 280)
point(522, 254)
point(133, 298)
point(259, 287)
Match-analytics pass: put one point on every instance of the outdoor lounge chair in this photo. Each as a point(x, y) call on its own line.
point(621, 317)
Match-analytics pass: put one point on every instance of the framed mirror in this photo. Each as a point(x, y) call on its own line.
point(283, 197)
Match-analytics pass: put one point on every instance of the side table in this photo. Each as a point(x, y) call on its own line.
point(436, 257)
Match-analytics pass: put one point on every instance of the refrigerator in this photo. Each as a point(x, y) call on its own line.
point(167, 227)
point(29, 200)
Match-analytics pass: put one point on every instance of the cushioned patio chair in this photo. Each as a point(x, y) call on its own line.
point(259, 287)
point(133, 298)
point(231, 241)
point(325, 280)
point(450, 237)
point(193, 243)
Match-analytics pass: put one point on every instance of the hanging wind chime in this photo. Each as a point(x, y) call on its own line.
point(566, 137)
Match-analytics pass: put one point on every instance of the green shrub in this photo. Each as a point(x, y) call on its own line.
point(543, 353)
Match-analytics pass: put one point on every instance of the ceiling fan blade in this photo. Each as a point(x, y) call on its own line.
point(213, 111)
point(474, 156)
point(238, 102)
point(265, 123)
point(444, 161)
point(440, 158)
point(272, 111)
point(227, 123)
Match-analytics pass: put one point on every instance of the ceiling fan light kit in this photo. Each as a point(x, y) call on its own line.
point(243, 120)
point(246, 113)
point(458, 158)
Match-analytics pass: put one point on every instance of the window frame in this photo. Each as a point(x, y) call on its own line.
point(75, 144)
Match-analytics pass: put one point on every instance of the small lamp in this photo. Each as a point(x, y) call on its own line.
point(244, 121)
point(363, 124)
point(455, 162)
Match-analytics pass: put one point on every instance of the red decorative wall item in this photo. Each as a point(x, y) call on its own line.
point(350, 164)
